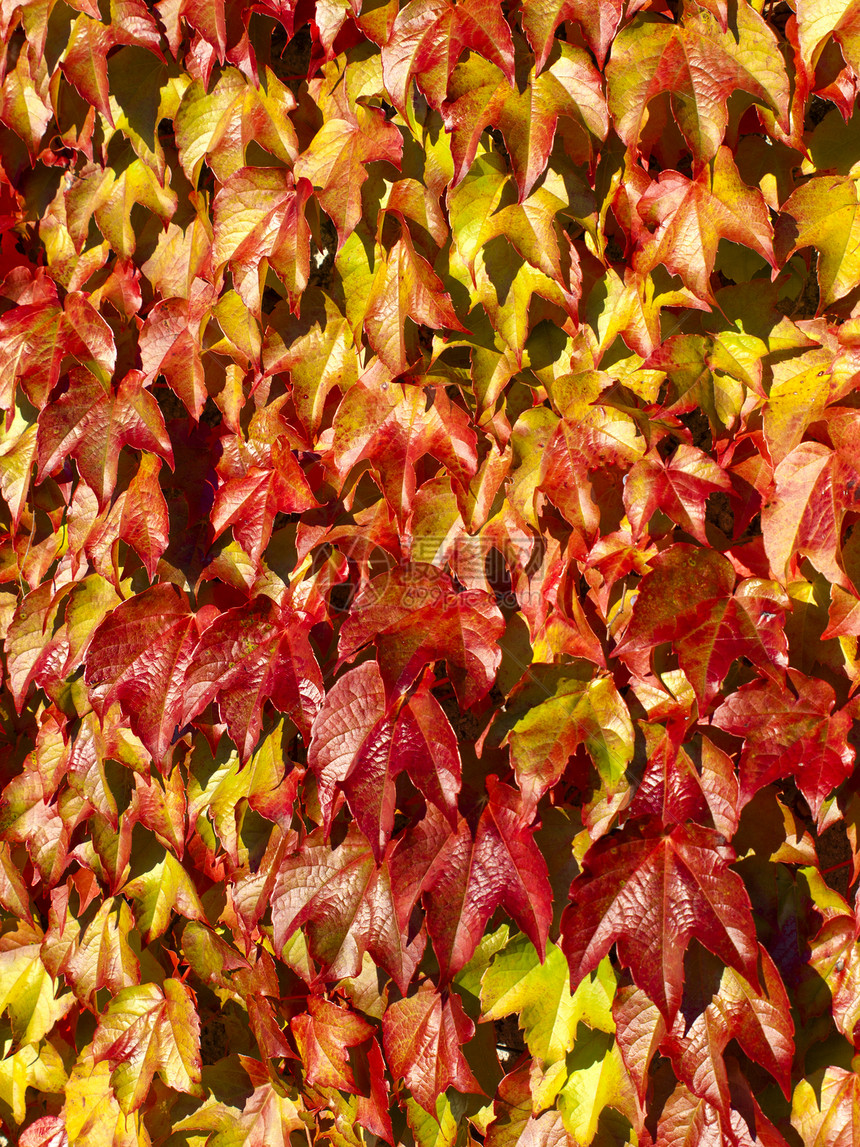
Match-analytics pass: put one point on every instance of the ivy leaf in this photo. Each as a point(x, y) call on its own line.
point(145, 1030)
point(343, 902)
point(334, 163)
point(170, 345)
point(428, 38)
point(805, 510)
point(102, 957)
point(514, 1120)
point(678, 886)
point(422, 1036)
point(463, 879)
point(405, 289)
point(640, 1029)
point(415, 617)
point(836, 959)
point(251, 503)
point(360, 743)
point(541, 18)
point(143, 520)
point(701, 65)
point(694, 215)
point(695, 782)
point(28, 993)
point(539, 995)
point(760, 1021)
point(325, 1035)
point(715, 623)
point(688, 1119)
point(317, 360)
point(218, 125)
point(480, 95)
point(679, 486)
point(789, 731)
point(250, 653)
point(828, 1113)
point(561, 711)
point(392, 427)
point(91, 1107)
point(825, 211)
point(84, 62)
point(93, 424)
point(164, 887)
point(597, 1080)
point(259, 218)
point(139, 655)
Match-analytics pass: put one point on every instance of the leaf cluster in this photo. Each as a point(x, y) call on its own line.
point(429, 573)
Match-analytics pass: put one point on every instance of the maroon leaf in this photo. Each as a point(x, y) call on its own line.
point(423, 1035)
point(139, 656)
point(677, 887)
point(92, 423)
point(248, 654)
point(360, 743)
point(416, 616)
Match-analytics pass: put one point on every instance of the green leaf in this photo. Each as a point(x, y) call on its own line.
point(516, 983)
point(554, 713)
point(597, 1080)
point(162, 888)
point(825, 210)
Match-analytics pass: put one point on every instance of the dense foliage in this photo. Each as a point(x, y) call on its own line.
point(430, 584)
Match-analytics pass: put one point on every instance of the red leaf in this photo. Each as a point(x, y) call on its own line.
point(324, 1034)
point(251, 503)
point(689, 218)
point(701, 64)
point(170, 346)
point(360, 742)
point(789, 732)
point(428, 38)
point(541, 18)
point(677, 887)
point(463, 880)
point(335, 158)
point(139, 656)
point(142, 512)
point(405, 288)
point(85, 62)
point(92, 424)
point(804, 512)
point(259, 222)
point(679, 486)
point(49, 1131)
point(344, 905)
point(415, 616)
point(422, 1037)
point(760, 1021)
point(639, 1028)
point(693, 782)
point(392, 427)
point(687, 599)
point(248, 654)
